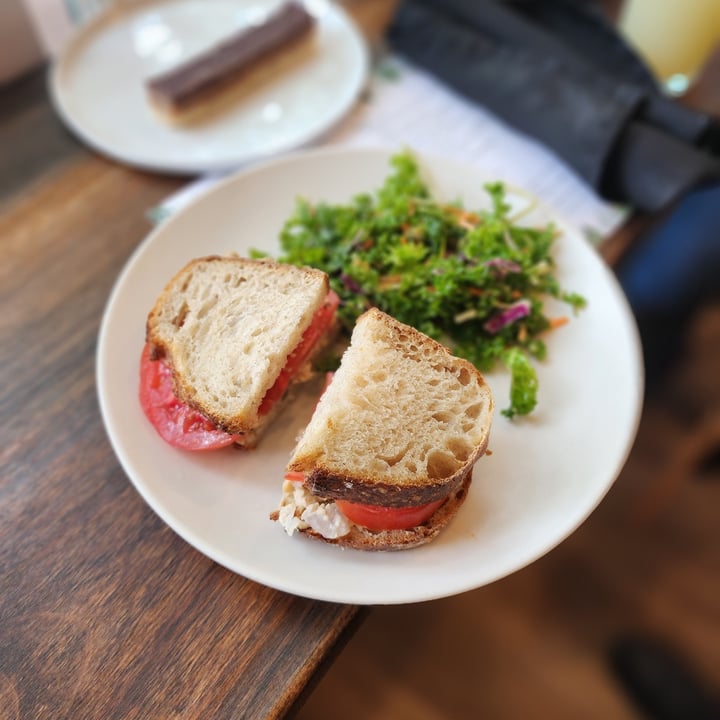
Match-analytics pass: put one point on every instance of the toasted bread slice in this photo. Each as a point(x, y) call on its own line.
point(402, 424)
point(226, 326)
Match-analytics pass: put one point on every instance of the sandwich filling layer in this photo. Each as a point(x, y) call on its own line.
point(300, 510)
point(331, 519)
point(359, 537)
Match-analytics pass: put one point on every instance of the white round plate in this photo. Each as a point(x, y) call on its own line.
point(97, 84)
point(544, 476)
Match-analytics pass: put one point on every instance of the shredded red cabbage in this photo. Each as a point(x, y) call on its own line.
point(509, 315)
point(350, 283)
point(502, 266)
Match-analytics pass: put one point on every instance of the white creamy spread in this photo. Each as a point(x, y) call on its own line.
point(299, 510)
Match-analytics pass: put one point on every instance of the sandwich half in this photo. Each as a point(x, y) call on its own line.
point(386, 460)
point(224, 341)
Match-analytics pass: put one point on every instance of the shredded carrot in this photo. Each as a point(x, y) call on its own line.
point(557, 322)
point(466, 220)
point(476, 291)
point(387, 282)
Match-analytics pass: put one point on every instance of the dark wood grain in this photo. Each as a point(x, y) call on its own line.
point(105, 612)
point(32, 138)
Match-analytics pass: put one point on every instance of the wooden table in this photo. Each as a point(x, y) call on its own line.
point(104, 611)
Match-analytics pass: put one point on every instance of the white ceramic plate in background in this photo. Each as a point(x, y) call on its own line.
point(97, 84)
point(545, 474)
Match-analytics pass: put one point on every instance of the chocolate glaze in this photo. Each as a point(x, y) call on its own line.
point(181, 85)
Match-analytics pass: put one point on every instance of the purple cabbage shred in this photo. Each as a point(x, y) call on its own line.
point(506, 317)
point(502, 266)
point(350, 283)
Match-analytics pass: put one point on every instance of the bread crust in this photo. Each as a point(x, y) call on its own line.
point(361, 538)
point(328, 485)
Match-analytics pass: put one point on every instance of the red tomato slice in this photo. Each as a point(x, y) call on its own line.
point(376, 517)
point(321, 322)
point(176, 422)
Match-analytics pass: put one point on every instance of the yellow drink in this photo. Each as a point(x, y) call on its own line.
point(675, 37)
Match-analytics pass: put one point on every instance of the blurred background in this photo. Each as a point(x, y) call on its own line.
point(622, 620)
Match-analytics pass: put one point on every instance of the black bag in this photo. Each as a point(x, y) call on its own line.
point(558, 70)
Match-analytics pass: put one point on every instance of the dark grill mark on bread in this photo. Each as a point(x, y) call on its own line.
point(334, 487)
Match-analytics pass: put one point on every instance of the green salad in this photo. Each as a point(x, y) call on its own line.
point(472, 279)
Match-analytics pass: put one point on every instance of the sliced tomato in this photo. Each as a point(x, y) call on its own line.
point(295, 476)
point(320, 323)
point(377, 517)
point(177, 423)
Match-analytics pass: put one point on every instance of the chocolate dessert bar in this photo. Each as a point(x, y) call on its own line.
point(222, 65)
